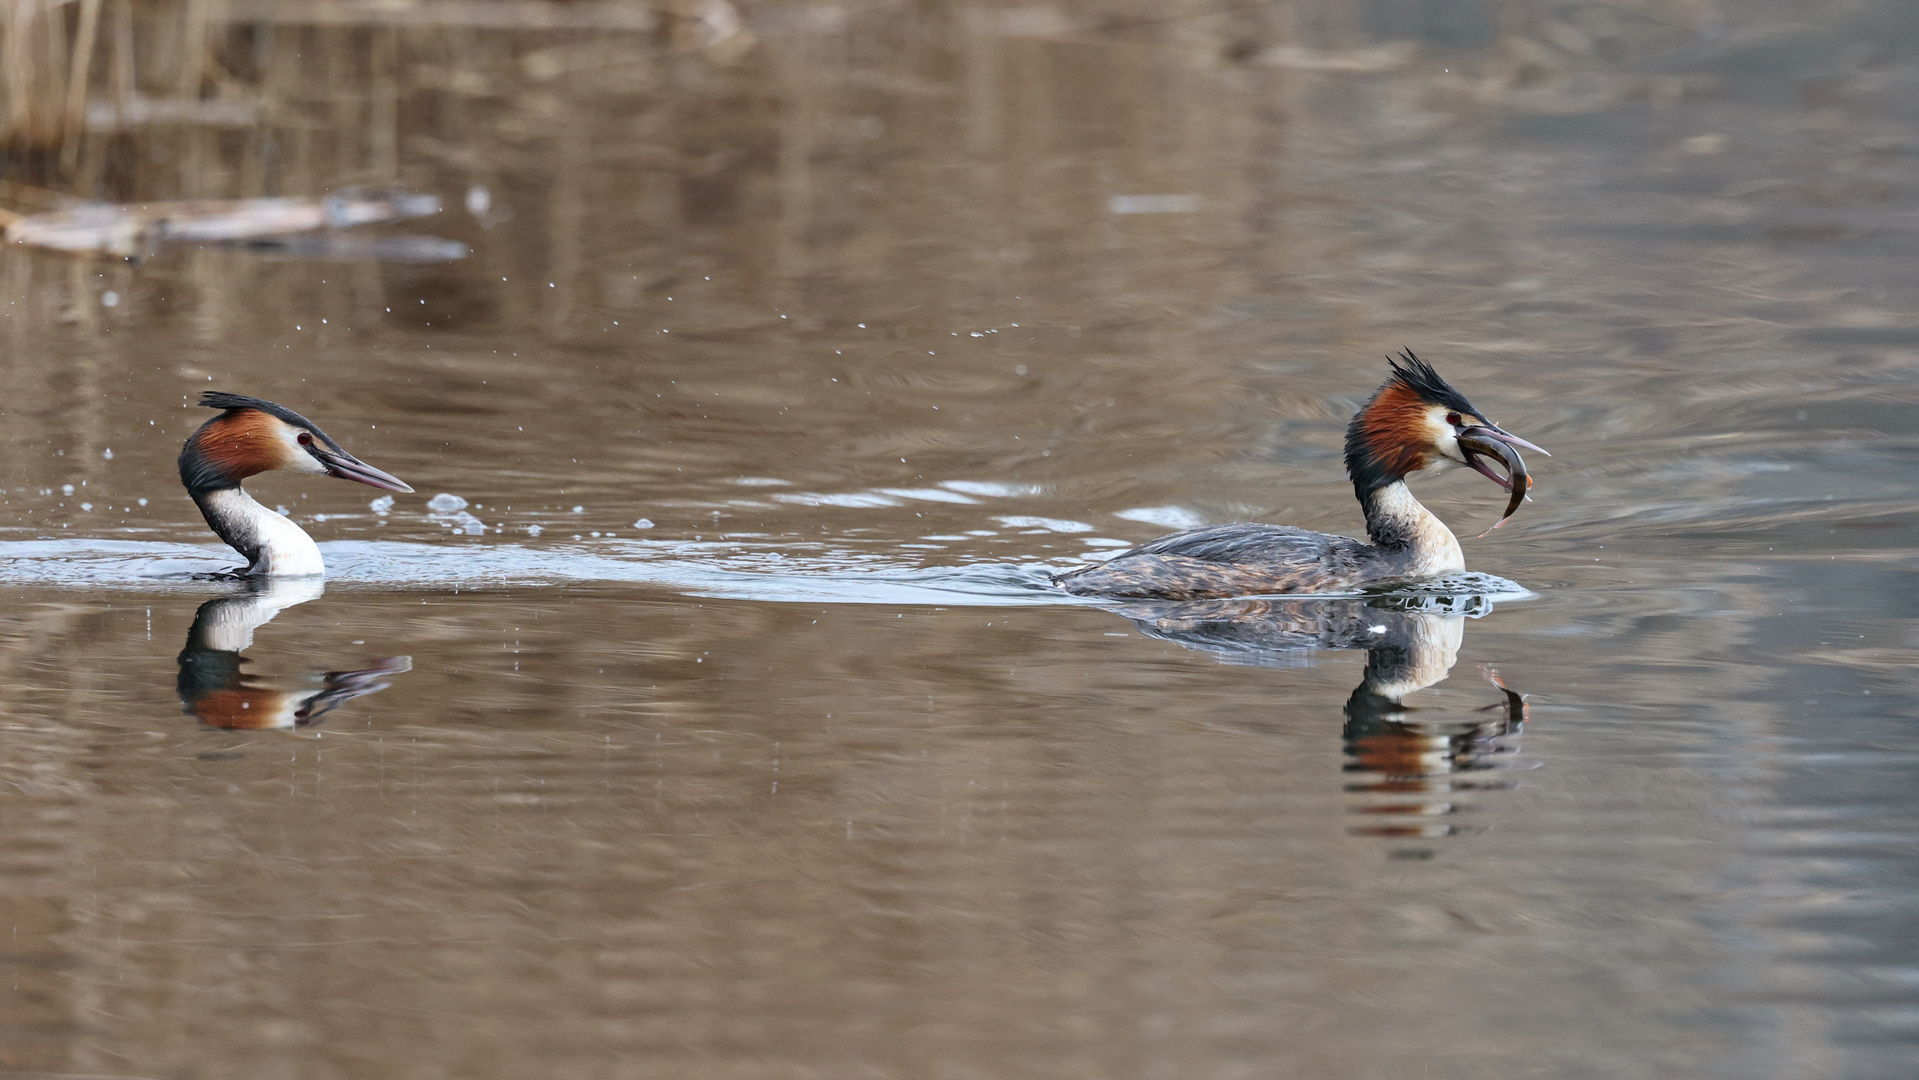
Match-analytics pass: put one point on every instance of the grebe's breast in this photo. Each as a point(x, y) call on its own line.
point(1220, 561)
point(273, 545)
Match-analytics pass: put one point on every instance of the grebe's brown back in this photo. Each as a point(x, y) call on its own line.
point(1415, 422)
point(251, 436)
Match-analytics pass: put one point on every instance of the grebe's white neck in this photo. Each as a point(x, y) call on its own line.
point(273, 545)
point(1411, 536)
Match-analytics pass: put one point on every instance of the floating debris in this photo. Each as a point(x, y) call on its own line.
point(714, 28)
point(1153, 204)
point(257, 224)
point(487, 15)
point(140, 111)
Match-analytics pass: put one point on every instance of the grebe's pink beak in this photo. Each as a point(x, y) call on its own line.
point(1495, 432)
point(347, 467)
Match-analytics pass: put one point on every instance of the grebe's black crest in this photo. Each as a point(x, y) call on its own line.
point(1389, 437)
point(1419, 377)
point(217, 399)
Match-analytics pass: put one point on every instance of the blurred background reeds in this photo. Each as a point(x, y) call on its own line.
point(259, 84)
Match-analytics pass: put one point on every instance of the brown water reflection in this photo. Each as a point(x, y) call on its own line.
point(920, 827)
point(776, 377)
point(1410, 644)
point(213, 687)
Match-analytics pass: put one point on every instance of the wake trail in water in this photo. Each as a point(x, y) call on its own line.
point(718, 570)
point(726, 571)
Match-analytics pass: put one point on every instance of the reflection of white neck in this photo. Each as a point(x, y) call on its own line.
point(277, 546)
point(229, 626)
point(1424, 647)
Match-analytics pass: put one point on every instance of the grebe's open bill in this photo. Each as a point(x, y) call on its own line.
point(1478, 441)
point(1500, 434)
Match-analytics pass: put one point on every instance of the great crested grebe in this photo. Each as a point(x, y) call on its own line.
point(1412, 423)
point(253, 436)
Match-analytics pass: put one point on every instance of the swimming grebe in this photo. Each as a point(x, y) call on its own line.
point(253, 436)
point(1412, 423)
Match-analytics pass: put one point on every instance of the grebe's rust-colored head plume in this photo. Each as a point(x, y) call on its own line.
point(1418, 421)
point(253, 436)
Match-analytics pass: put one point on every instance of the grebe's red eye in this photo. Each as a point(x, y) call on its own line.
point(1452, 418)
point(306, 438)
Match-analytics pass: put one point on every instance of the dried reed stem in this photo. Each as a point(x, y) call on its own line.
point(78, 71)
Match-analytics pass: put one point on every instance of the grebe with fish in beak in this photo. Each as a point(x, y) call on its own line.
point(1415, 422)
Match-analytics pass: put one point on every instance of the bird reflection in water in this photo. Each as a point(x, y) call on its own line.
point(214, 688)
point(1408, 765)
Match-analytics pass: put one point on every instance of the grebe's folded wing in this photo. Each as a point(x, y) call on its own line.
point(1242, 542)
point(1241, 559)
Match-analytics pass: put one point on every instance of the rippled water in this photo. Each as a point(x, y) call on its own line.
point(730, 728)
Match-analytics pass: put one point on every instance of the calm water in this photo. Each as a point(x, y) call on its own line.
point(728, 730)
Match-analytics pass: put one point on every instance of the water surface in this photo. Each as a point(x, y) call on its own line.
point(729, 728)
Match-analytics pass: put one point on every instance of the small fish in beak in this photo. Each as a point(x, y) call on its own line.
point(1479, 443)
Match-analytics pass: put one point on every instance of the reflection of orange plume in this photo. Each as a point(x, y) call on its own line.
point(214, 688)
point(1401, 752)
point(242, 704)
point(244, 708)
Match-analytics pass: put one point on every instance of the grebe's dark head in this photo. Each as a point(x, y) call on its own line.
point(252, 436)
point(1418, 421)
